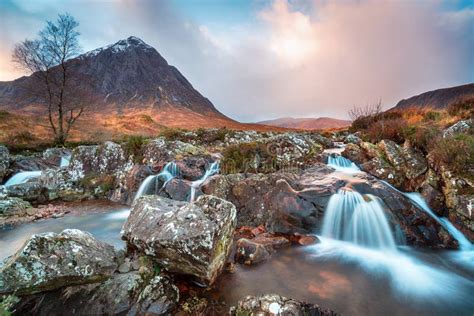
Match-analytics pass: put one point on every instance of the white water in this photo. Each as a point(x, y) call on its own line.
point(419, 201)
point(169, 171)
point(342, 164)
point(65, 161)
point(23, 177)
point(349, 216)
point(212, 170)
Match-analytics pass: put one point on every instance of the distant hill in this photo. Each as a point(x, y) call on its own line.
point(307, 123)
point(440, 98)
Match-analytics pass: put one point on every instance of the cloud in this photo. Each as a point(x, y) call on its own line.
point(298, 58)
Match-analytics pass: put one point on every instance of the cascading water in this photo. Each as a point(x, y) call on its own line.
point(23, 177)
point(419, 201)
point(359, 219)
point(65, 161)
point(342, 164)
point(212, 170)
point(169, 171)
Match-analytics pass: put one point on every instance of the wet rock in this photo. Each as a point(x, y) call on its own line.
point(13, 206)
point(193, 168)
point(273, 304)
point(250, 252)
point(29, 191)
point(282, 202)
point(190, 239)
point(50, 261)
point(122, 294)
point(4, 162)
point(29, 163)
point(54, 155)
point(355, 153)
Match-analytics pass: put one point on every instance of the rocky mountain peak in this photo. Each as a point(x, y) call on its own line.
point(124, 45)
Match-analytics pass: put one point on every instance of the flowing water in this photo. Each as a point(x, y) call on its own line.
point(356, 269)
point(23, 177)
point(152, 183)
point(65, 161)
point(102, 219)
point(212, 170)
point(342, 164)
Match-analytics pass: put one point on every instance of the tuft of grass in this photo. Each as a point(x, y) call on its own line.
point(173, 133)
point(133, 145)
point(456, 152)
point(247, 157)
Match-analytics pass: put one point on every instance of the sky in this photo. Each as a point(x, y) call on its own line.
point(263, 59)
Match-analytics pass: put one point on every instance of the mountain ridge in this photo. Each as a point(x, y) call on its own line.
point(307, 123)
point(439, 98)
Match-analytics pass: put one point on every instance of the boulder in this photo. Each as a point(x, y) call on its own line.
point(274, 304)
point(161, 151)
point(13, 206)
point(54, 155)
point(122, 294)
point(108, 158)
point(4, 162)
point(29, 191)
point(459, 127)
point(50, 261)
point(185, 238)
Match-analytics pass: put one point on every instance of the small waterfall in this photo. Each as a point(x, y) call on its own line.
point(23, 177)
point(65, 161)
point(419, 201)
point(359, 219)
point(212, 170)
point(342, 164)
point(169, 171)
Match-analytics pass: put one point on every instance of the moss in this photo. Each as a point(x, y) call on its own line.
point(7, 304)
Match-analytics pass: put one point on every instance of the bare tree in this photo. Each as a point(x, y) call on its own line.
point(364, 111)
point(55, 83)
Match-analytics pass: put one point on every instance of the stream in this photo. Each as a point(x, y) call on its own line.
point(358, 274)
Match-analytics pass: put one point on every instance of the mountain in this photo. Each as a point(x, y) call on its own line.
point(440, 98)
point(129, 76)
point(307, 123)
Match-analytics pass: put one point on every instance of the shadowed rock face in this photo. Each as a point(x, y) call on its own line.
point(50, 261)
point(190, 239)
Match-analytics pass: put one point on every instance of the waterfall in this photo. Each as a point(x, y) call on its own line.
point(342, 164)
point(212, 170)
point(359, 219)
point(419, 201)
point(169, 171)
point(65, 161)
point(23, 177)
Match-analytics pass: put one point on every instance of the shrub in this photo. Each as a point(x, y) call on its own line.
point(392, 129)
point(173, 133)
point(133, 146)
point(247, 157)
point(422, 137)
point(23, 137)
point(463, 109)
point(456, 152)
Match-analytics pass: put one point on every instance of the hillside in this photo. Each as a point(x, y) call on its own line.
point(439, 99)
point(307, 123)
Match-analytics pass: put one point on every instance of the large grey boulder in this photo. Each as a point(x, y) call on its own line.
point(185, 238)
point(50, 261)
point(274, 304)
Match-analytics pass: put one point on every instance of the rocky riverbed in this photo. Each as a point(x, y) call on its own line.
point(193, 236)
